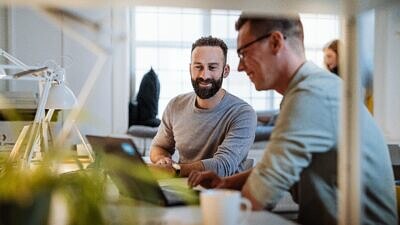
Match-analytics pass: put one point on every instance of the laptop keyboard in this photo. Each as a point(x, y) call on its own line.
point(180, 197)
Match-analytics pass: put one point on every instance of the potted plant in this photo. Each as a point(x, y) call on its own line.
point(32, 196)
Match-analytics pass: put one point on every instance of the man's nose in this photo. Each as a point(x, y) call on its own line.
point(241, 66)
point(205, 74)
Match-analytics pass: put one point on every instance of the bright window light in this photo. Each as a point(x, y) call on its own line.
point(162, 38)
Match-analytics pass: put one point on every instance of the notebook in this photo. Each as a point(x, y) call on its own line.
point(137, 183)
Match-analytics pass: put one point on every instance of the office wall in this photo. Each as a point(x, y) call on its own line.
point(387, 72)
point(3, 38)
point(3, 28)
point(35, 40)
point(366, 34)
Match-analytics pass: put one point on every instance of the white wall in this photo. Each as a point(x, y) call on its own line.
point(387, 72)
point(3, 38)
point(34, 40)
point(366, 34)
point(3, 28)
point(97, 114)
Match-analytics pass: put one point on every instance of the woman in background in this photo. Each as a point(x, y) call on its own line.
point(331, 62)
point(331, 56)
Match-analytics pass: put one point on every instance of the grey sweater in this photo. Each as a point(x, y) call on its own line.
point(220, 137)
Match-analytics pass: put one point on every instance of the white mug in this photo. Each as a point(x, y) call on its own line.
point(222, 207)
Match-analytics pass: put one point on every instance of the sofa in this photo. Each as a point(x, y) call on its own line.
point(265, 124)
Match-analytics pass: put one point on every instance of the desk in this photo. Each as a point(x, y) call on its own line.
point(119, 210)
point(182, 215)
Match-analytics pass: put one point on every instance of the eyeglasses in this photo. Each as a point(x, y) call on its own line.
point(240, 50)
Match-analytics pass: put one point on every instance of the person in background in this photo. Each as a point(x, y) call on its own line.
point(331, 56)
point(331, 62)
point(210, 128)
point(303, 148)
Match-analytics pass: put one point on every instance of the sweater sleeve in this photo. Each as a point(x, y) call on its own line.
point(236, 144)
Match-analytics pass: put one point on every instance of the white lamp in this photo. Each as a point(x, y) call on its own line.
point(60, 97)
point(55, 95)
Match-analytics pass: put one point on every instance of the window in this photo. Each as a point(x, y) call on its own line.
point(162, 38)
point(318, 30)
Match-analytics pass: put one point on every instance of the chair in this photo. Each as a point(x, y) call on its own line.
point(144, 133)
point(265, 124)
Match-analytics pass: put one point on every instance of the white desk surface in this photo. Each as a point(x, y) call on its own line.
point(190, 215)
point(182, 215)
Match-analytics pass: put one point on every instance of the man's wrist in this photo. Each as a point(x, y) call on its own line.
point(163, 158)
point(177, 168)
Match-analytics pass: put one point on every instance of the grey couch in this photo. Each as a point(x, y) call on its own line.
point(265, 124)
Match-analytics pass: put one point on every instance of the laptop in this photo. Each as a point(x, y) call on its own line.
point(132, 176)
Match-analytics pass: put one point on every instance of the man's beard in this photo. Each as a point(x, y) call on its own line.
point(205, 92)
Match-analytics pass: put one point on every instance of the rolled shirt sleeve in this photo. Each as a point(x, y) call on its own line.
point(307, 124)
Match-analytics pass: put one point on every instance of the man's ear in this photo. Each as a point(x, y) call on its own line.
point(276, 42)
point(227, 69)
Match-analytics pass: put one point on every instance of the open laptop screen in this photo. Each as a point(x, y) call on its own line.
point(119, 156)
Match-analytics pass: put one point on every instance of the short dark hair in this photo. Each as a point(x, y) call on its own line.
point(211, 41)
point(289, 25)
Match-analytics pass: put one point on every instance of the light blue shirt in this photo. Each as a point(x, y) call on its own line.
point(303, 150)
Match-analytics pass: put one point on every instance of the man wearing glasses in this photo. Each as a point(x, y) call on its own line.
point(210, 128)
point(302, 151)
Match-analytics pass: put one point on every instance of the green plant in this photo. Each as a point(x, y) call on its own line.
point(26, 194)
point(30, 196)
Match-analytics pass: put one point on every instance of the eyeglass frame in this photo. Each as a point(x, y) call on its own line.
point(241, 55)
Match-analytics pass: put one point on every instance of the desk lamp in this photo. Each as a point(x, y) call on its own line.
point(54, 95)
point(60, 97)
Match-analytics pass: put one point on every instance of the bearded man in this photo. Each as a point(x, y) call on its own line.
point(211, 129)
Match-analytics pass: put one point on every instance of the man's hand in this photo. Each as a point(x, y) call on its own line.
point(162, 170)
point(165, 161)
point(207, 179)
point(164, 167)
point(159, 155)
